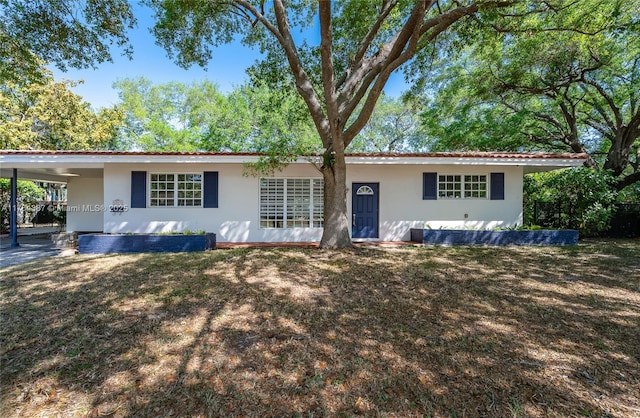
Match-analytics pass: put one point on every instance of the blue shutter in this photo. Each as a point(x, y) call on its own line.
point(497, 186)
point(429, 186)
point(138, 189)
point(210, 192)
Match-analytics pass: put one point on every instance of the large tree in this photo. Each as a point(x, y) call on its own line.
point(563, 90)
point(169, 116)
point(72, 33)
point(178, 116)
point(48, 115)
point(394, 127)
point(340, 79)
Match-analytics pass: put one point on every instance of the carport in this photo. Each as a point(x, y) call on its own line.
point(14, 173)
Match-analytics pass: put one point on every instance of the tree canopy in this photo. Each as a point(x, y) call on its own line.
point(72, 33)
point(569, 90)
point(49, 115)
point(394, 127)
point(179, 116)
point(254, 117)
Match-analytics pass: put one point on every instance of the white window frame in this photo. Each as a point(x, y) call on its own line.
point(176, 190)
point(466, 187)
point(290, 203)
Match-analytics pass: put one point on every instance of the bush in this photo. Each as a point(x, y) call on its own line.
point(28, 195)
point(587, 192)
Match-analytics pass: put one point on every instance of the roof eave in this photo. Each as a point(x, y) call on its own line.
point(71, 159)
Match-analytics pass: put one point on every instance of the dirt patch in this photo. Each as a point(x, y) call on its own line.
point(298, 332)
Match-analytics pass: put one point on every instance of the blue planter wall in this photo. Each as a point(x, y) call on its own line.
point(105, 244)
point(463, 237)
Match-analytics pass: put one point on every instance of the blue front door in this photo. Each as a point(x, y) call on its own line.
point(365, 210)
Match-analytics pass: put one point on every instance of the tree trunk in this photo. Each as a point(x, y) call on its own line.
point(618, 155)
point(335, 234)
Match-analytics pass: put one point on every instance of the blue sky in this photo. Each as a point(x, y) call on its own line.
point(226, 69)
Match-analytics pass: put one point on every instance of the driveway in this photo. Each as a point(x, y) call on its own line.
point(31, 247)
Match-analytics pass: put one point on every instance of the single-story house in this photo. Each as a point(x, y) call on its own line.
point(142, 192)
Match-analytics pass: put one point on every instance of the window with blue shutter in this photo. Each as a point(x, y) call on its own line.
point(210, 192)
point(138, 189)
point(497, 186)
point(429, 186)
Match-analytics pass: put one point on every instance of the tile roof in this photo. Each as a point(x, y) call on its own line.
point(471, 154)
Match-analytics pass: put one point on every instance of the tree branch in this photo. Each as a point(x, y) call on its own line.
point(615, 109)
point(326, 55)
point(303, 83)
point(259, 16)
point(627, 180)
point(443, 21)
point(402, 48)
point(604, 131)
point(387, 6)
point(282, 33)
point(361, 78)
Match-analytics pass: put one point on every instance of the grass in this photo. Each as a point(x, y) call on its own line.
point(433, 331)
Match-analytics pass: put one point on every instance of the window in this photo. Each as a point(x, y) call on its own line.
point(364, 190)
point(317, 221)
point(189, 190)
point(475, 186)
point(272, 203)
point(449, 186)
point(176, 190)
point(457, 186)
point(291, 203)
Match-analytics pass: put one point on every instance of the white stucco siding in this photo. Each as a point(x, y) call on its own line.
point(401, 206)
point(235, 220)
point(85, 204)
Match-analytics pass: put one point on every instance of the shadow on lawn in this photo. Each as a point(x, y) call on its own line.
point(409, 332)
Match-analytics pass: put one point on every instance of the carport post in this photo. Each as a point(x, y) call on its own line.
point(13, 221)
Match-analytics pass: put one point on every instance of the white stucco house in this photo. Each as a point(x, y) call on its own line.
point(137, 192)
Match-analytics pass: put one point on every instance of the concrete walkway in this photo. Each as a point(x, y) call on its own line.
point(37, 230)
point(31, 247)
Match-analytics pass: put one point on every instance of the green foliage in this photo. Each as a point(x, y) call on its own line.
point(187, 117)
point(51, 116)
point(272, 122)
point(59, 217)
point(64, 32)
point(630, 194)
point(561, 81)
point(28, 195)
point(586, 191)
point(166, 117)
point(394, 127)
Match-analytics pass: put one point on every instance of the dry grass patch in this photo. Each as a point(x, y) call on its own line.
point(303, 332)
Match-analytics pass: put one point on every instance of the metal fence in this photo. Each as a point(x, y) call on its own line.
point(625, 221)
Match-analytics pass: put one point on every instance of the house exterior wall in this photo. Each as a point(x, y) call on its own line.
point(235, 220)
point(85, 204)
point(401, 206)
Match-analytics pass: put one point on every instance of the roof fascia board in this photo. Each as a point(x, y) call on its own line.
point(544, 162)
point(99, 160)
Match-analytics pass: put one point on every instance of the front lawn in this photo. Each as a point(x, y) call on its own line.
point(409, 331)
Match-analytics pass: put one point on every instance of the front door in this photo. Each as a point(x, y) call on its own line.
point(365, 210)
